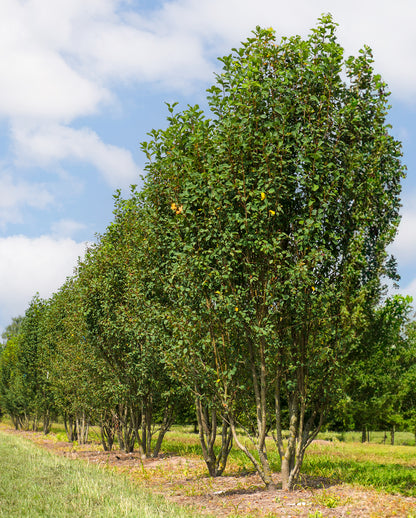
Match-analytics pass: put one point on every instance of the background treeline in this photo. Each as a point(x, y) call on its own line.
point(242, 287)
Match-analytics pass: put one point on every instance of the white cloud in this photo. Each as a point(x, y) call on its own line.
point(404, 246)
point(16, 195)
point(62, 59)
point(35, 265)
point(49, 144)
point(65, 228)
point(123, 53)
point(38, 80)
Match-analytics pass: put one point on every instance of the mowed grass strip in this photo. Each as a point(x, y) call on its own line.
point(36, 483)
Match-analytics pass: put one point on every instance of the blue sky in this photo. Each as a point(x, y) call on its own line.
point(83, 81)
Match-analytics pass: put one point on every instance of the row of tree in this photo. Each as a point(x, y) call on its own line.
point(245, 279)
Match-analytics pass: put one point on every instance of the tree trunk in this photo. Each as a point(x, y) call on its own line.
point(262, 468)
point(70, 428)
point(82, 426)
point(207, 426)
point(107, 430)
point(127, 427)
point(164, 427)
point(46, 422)
point(364, 435)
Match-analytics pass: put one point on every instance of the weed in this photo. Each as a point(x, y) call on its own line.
point(329, 500)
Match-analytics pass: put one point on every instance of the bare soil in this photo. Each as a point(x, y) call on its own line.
point(184, 480)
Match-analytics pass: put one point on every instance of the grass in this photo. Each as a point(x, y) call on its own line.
point(387, 468)
point(391, 469)
point(35, 483)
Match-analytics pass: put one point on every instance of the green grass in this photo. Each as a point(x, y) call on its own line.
point(384, 467)
point(387, 468)
point(35, 483)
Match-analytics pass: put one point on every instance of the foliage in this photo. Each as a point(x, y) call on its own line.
point(24, 384)
point(121, 319)
point(378, 384)
point(12, 329)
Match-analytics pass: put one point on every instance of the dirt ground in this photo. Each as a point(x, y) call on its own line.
point(184, 481)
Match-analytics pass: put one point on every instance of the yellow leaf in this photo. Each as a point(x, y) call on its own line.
point(272, 212)
point(263, 195)
point(236, 309)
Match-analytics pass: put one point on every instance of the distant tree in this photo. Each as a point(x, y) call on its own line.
point(12, 329)
point(12, 395)
point(9, 333)
point(24, 384)
point(274, 218)
point(408, 383)
point(375, 386)
point(70, 364)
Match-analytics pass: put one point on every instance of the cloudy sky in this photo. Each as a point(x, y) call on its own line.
point(83, 81)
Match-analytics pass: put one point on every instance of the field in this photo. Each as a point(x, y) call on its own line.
point(341, 478)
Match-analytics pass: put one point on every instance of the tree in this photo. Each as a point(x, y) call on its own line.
point(23, 378)
point(12, 329)
point(12, 397)
point(376, 384)
point(408, 382)
point(9, 334)
point(123, 328)
point(78, 380)
point(275, 216)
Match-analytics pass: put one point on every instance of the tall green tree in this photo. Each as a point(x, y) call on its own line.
point(9, 335)
point(12, 396)
point(275, 216)
point(408, 379)
point(122, 324)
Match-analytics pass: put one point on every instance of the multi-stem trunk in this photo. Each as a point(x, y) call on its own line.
point(164, 427)
point(70, 427)
point(46, 422)
point(258, 367)
point(207, 426)
point(107, 430)
point(304, 423)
